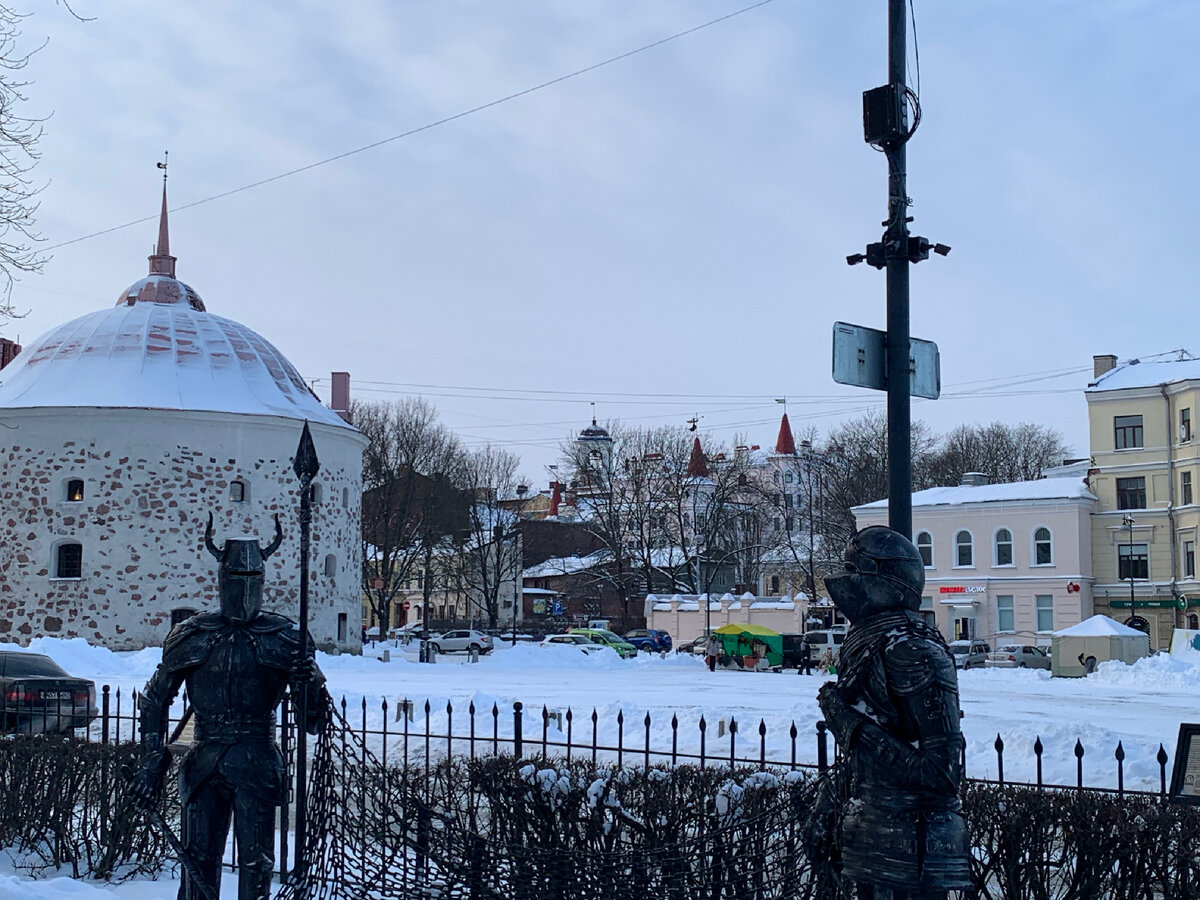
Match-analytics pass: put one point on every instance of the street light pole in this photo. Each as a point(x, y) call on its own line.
point(1128, 522)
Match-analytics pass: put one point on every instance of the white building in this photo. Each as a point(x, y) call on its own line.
point(1003, 562)
point(123, 430)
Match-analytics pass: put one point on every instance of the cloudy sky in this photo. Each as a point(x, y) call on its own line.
point(664, 235)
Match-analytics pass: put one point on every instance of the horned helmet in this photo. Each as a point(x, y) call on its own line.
point(883, 572)
point(240, 572)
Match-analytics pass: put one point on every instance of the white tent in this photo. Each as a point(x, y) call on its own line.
point(1077, 650)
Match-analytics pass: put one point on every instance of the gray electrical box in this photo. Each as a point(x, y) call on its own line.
point(860, 359)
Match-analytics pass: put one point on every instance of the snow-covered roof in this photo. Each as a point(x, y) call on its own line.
point(566, 565)
point(1101, 626)
point(1135, 374)
point(159, 354)
point(1041, 489)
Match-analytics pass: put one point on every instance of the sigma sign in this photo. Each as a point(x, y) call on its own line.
point(962, 589)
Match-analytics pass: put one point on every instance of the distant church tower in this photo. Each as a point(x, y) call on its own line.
point(124, 429)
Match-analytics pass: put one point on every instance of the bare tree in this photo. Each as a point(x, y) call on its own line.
point(489, 558)
point(411, 507)
point(1003, 452)
point(19, 154)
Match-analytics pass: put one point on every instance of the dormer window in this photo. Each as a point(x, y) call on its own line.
point(75, 490)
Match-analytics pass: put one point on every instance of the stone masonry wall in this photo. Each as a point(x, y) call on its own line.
point(141, 526)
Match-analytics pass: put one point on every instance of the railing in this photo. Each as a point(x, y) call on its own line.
point(388, 730)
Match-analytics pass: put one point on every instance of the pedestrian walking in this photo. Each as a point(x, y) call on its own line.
point(712, 648)
point(805, 666)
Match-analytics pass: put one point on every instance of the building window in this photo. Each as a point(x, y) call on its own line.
point(925, 548)
point(1004, 555)
point(1189, 559)
point(1043, 547)
point(787, 501)
point(238, 492)
point(181, 614)
point(75, 490)
point(1131, 493)
point(964, 549)
point(68, 560)
point(1132, 558)
point(345, 498)
point(1185, 488)
point(1004, 613)
point(316, 494)
point(1045, 612)
point(343, 628)
point(787, 478)
point(330, 564)
point(774, 584)
point(1127, 432)
point(1194, 622)
point(928, 616)
point(1185, 425)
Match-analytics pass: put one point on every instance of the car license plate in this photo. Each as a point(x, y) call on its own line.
point(56, 695)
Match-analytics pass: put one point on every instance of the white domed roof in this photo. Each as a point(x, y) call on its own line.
point(159, 349)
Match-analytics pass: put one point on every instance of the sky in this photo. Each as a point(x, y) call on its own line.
point(663, 236)
point(1141, 706)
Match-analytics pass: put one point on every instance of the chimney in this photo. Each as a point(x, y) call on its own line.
point(339, 396)
point(1103, 362)
point(8, 351)
point(974, 479)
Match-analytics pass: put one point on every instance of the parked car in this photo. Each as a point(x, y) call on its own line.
point(696, 646)
point(606, 637)
point(463, 640)
point(820, 641)
point(649, 639)
point(39, 697)
point(580, 641)
point(1018, 656)
point(969, 654)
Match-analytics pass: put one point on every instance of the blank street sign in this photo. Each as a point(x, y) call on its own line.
point(860, 359)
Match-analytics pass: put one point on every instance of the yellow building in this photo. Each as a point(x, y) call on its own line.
point(1145, 464)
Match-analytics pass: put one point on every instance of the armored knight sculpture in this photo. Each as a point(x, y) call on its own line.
point(237, 663)
point(894, 712)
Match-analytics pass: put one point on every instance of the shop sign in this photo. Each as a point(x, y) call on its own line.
point(962, 589)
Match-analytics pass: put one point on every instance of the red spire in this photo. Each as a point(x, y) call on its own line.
point(555, 499)
point(697, 465)
point(785, 444)
point(161, 261)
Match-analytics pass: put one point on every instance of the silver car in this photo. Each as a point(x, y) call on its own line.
point(463, 640)
point(580, 641)
point(969, 654)
point(1018, 656)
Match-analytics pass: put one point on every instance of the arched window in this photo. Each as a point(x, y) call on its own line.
point(239, 491)
point(1043, 547)
point(964, 549)
point(1194, 622)
point(68, 560)
point(1004, 548)
point(316, 493)
point(330, 564)
point(74, 490)
point(925, 548)
point(345, 498)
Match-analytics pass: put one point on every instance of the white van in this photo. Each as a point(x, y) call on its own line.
point(820, 641)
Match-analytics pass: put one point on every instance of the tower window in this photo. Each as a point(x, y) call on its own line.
point(330, 565)
point(75, 490)
point(68, 560)
point(316, 493)
point(345, 498)
point(238, 492)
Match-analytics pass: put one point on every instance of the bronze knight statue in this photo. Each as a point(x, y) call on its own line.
point(236, 663)
point(895, 715)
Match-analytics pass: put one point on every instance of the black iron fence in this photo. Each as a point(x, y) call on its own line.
point(406, 731)
point(510, 802)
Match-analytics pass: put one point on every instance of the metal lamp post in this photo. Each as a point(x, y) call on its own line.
point(1128, 523)
point(697, 546)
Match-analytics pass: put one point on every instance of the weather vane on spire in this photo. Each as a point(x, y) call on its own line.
point(163, 165)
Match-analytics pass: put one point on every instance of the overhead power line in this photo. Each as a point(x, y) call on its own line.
point(429, 125)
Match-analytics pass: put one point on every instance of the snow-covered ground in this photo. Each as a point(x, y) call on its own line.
point(1141, 706)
